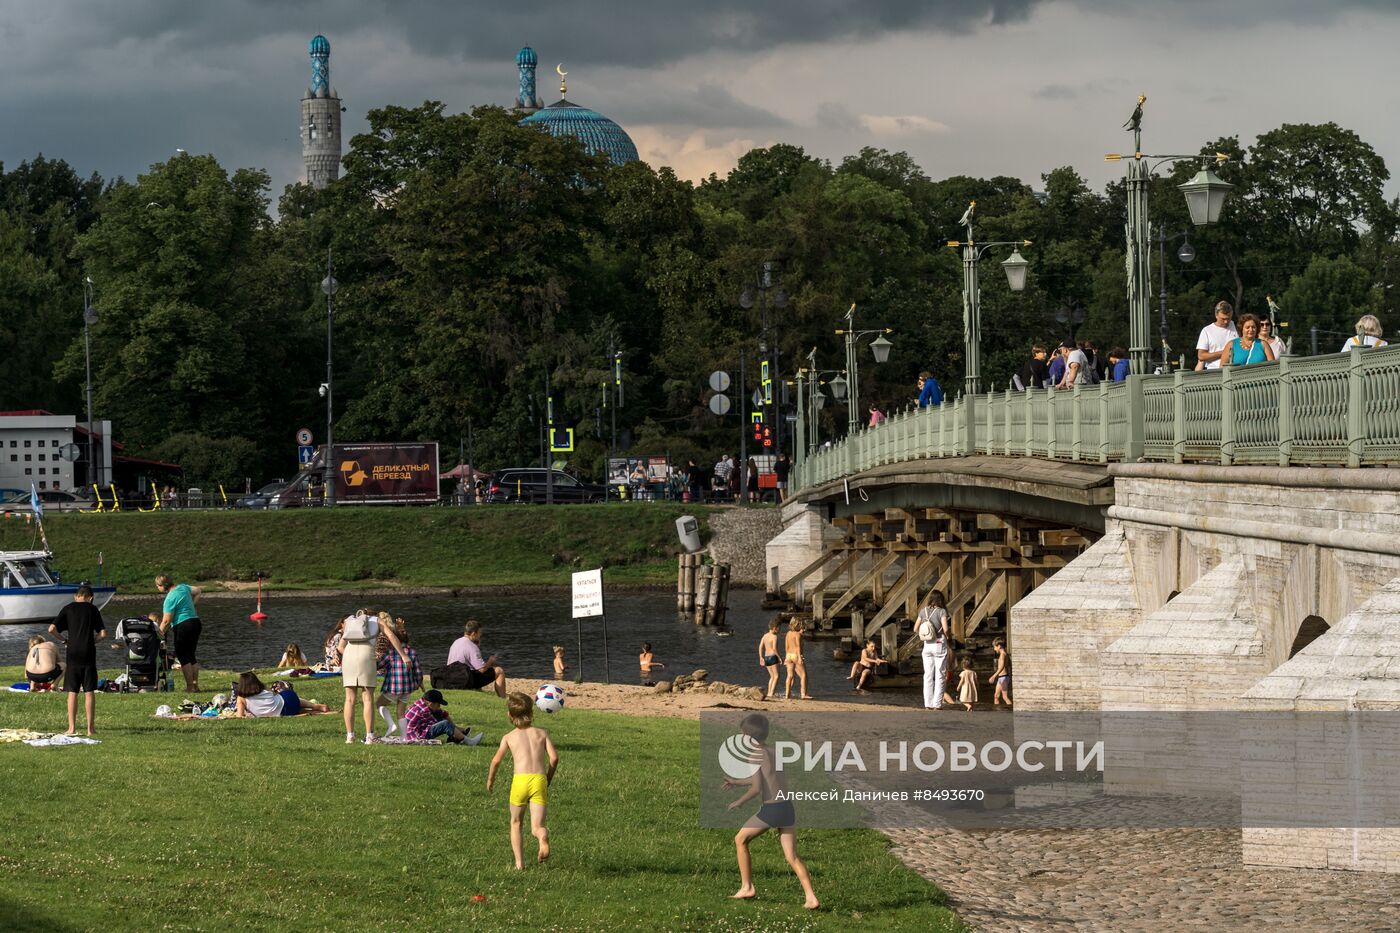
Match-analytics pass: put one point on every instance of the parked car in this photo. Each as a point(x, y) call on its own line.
point(259, 499)
point(528, 484)
point(52, 500)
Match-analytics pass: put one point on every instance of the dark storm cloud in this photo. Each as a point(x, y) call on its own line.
point(618, 33)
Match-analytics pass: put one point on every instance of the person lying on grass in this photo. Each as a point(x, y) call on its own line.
point(766, 784)
point(426, 719)
point(255, 701)
point(529, 748)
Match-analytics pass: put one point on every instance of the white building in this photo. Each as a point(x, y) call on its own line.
point(51, 451)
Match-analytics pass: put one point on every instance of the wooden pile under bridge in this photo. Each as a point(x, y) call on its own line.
point(874, 581)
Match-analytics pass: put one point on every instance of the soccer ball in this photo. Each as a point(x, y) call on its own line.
point(550, 698)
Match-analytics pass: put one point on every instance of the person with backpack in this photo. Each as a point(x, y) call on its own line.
point(935, 631)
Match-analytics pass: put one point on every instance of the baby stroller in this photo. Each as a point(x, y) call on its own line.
point(147, 666)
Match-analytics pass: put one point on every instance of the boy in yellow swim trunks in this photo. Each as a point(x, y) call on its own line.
point(529, 748)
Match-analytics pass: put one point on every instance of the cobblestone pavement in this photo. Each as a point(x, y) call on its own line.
point(1137, 879)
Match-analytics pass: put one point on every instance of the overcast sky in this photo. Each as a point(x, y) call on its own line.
point(979, 87)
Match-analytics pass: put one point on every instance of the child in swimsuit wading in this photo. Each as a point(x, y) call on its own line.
point(766, 784)
point(768, 657)
point(529, 749)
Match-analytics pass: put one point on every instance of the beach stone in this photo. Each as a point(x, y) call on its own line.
point(754, 693)
point(735, 690)
point(662, 686)
point(699, 674)
point(681, 680)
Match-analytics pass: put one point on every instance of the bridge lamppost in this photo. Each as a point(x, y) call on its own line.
point(1205, 194)
point(879, 348)
point(1187, 254)
point(810, 398)
point(1015, 267)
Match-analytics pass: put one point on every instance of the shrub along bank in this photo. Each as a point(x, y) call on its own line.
point(359, 547)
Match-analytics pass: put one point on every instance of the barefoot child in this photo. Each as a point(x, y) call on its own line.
point(796, 665)
point(766, 784)
point(1002, 675)
point(529, 749)
point(864, 667)
point(559, 666)
point(967, 685)
point(82, 627)
point(768, 658)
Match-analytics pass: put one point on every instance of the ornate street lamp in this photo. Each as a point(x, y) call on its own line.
point(881, 352)
point(1016, 266)
point(972, 252)
point(1205, 194)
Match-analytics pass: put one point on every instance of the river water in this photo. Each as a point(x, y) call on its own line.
point(518, 629)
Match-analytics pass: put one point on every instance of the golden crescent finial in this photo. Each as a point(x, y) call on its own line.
point(563, 86)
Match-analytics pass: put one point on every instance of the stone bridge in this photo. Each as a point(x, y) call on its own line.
point(1127, 584)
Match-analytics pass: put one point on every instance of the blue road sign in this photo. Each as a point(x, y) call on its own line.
point(305, 454)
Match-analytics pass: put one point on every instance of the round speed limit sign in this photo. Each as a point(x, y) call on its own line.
point(304, 437)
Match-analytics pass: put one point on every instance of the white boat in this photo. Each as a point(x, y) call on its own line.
point(30, 590)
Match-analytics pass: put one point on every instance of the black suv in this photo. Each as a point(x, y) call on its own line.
point(527, 484)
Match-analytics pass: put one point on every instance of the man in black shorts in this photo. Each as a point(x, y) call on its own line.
point(81, 627)
point(484, 671)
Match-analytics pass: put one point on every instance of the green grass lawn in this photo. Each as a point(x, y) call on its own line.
point(278, 825)
point(369, 547)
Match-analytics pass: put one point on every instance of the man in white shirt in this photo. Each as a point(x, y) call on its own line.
point(1210, 346)
point(1076, 366)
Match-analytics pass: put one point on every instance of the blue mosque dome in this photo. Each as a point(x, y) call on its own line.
point(319, 45)
point(526, 56)
point(598, 134)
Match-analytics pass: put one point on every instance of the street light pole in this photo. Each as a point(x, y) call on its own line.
point(329, 285)
point(1187, 253)
point(879, 347)
point(94, 476)
point(1205, 193)
point(972, 253)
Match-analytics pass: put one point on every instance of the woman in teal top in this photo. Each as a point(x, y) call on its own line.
point(180, 614)
point(1247, 347)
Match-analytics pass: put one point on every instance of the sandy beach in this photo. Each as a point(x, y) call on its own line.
point(634, 700)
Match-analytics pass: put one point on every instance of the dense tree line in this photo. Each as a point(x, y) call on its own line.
point(475, 255)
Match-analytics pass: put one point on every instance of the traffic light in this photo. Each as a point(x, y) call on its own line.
point(767, 436)
point(757, 418)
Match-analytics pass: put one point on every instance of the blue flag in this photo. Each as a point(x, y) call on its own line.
point(34, 503)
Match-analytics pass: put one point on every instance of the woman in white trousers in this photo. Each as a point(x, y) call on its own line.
point(934, 631)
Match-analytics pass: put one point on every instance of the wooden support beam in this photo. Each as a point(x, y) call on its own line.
point(877, 570)
point(916, 571)
point(1063, 537)
point(994, 600)
point(819, 591)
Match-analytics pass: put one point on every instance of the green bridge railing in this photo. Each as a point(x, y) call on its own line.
point(1340, 409)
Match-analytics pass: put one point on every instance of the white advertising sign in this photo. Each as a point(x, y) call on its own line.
point(588, 594)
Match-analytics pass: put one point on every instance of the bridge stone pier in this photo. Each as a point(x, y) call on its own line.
point(1245, 588)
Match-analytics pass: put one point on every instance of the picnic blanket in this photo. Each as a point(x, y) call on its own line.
point(53, 741)
point(230, 714)
point(43, 739)
point(305, 672)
